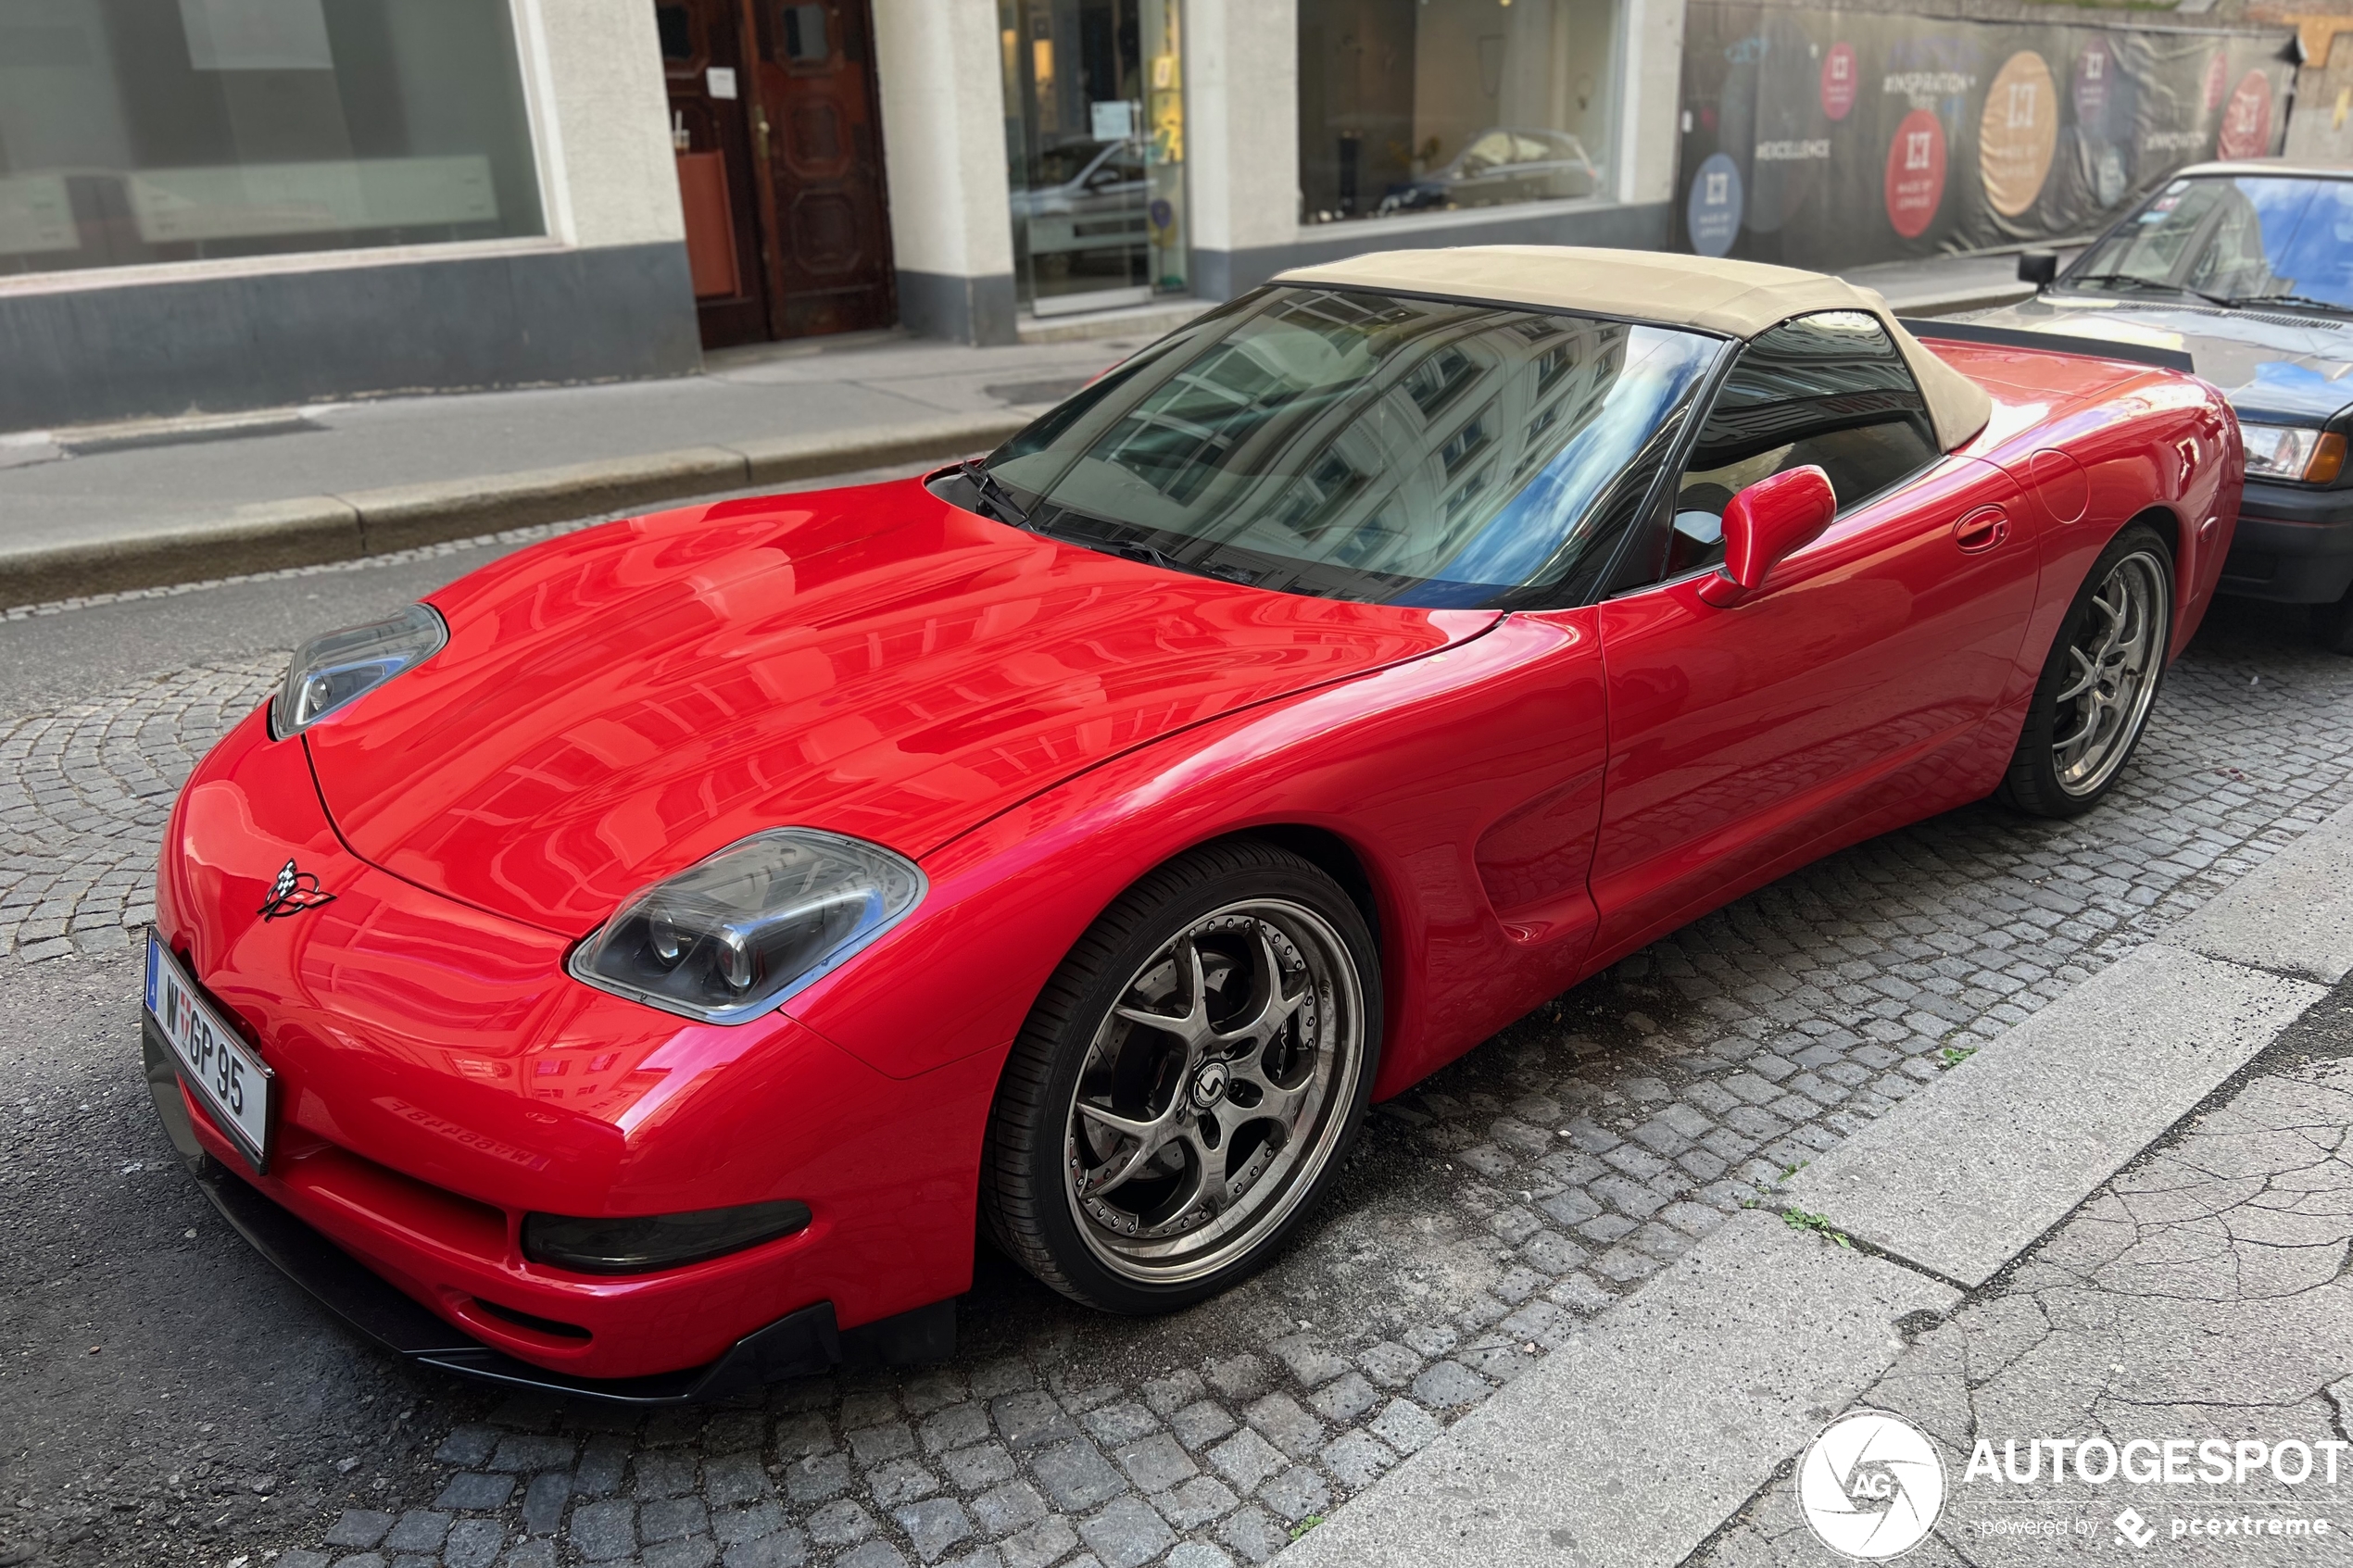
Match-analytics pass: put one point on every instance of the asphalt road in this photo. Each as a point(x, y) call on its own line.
point(171, 1400)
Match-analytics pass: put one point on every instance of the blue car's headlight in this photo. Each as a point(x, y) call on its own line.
point(735, 935)
point(331, 669)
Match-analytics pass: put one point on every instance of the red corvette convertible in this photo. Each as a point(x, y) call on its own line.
point(646, 965)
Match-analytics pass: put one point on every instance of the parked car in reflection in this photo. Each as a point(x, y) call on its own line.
point(1099, 206)
point(1499, 165)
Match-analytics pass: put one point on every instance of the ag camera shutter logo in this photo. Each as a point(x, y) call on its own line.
point(1870, 1486)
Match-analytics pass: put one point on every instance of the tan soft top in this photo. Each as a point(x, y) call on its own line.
point(1738, 299)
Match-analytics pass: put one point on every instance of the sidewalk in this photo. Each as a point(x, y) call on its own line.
point(130, 507)
point(127, 507)
point(2127, 1217)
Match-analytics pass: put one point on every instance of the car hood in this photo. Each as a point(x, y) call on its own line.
point(2268, 363)
point(617, 704)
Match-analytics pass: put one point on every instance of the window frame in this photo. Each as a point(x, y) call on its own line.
point(1658, 518)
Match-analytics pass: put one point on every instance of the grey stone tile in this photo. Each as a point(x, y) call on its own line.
point(1281, 1420)
point(1155, 1464)
point(1245, 1459)
point(474, 1490)
point(900, 1481)
point(1296, 1494)
point(1196, 1502)
point(1128, 1533)
point(983, 1464)
point(667, 1519)
point(605, 1532)
point(359, 1528)
point(1199, 1423)
point(1075, 1475)
point(840, 1523)
point(933, 1527)
point(1003, 1509)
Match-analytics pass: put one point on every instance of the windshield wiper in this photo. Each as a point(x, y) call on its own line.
point(2140, 282)
point(2302, 301)
point(1135, 549)
point(992, 492)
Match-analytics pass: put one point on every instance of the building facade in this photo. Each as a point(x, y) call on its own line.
point(213, 205)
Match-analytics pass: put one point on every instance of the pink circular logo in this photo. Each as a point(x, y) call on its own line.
point(1838, 80)
point(2247, 119)
point(1916, 172)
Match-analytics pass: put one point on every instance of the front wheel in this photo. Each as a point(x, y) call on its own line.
point(2093, 701)
point(1180, 1095)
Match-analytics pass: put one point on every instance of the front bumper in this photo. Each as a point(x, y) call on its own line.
point(439, 1077)
point(797, 1345)
point(2294, 546)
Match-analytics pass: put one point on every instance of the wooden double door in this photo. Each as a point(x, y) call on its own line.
point(773, 116)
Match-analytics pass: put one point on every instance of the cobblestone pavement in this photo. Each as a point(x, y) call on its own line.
point(1480, 1220)
point(83, 795)
point(2203, 1293)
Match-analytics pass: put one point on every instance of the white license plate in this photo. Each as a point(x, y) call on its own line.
point(233, 1083)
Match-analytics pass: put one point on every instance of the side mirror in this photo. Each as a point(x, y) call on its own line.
point(1766, 524)
point(2037, 267)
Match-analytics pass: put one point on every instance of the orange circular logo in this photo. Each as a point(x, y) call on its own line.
point(2019, 133)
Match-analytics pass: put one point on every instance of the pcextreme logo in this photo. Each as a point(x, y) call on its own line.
point(1870, 1486)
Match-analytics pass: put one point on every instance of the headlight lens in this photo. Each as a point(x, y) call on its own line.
point(331, 670)
point(732, 937)
point(2291, 452)
point(656, 1241)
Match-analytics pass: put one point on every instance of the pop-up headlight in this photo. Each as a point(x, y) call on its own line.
point(331, 669)
point(733, 935)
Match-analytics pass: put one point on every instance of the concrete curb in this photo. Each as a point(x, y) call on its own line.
point(1629, 1445)
point(1633, 1443)
point(1961, 1178)
point(313, 529)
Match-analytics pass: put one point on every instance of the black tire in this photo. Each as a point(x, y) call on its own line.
point(2333, 625)
point(1048, 1190)
point(2136, 569)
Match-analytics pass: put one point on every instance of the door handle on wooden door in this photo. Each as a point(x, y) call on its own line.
point(1981, 530)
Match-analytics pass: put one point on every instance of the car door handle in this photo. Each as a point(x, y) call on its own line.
point(1981, 530)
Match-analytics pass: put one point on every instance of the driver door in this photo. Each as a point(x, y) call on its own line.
point(1850, 691)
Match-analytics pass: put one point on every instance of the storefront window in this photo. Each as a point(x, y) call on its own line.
point(147, 130)
point(1420, 106)
point(1095, 150)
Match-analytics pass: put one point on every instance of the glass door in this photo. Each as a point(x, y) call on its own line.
point(1095, 145)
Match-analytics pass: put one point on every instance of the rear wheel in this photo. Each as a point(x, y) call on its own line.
point(1180, 1097)
point(2093, 701)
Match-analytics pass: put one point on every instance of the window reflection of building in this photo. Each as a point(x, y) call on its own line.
point(136, 133)
point(1094, 136)
point(1401, 475)
point(1412, 105)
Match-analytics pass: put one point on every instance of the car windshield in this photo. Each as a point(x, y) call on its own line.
point(1368, 446)
point(2238, 238)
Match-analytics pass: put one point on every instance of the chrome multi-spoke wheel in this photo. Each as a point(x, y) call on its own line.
point(1181, 1092)
point(2100, 681)
point(1211, 1087)
point(2113, 664)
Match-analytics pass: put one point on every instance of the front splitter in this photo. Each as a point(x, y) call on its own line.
point(797, 1345)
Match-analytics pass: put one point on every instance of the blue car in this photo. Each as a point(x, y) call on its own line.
point(2248, 267)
